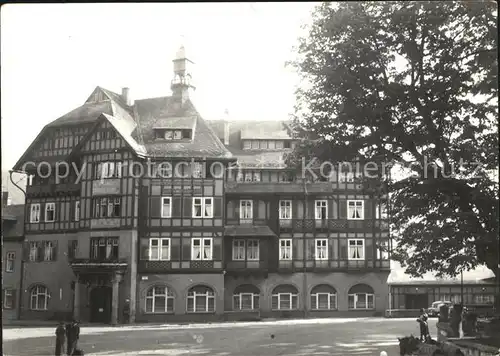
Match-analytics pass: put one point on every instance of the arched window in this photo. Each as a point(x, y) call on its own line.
point(323, 297)
point(159, 299)
point(201, 299)
point(361, 296)
point(246, 297)
point(285, 297)
point(39, 297)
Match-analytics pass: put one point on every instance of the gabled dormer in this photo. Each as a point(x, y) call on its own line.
point(97, 96)
point(175, 129)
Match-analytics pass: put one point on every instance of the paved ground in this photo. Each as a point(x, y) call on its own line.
point(340, 337)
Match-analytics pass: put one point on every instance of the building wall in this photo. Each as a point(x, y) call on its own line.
point(341, 281)
point(180, 284)
point(11, 280)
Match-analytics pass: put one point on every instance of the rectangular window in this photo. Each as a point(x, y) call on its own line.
point(197, 170)
point(321, 209)
point(263, 145)
point(33, 252)
point(381, 212)
point(383, 250)
point(355, 209)
point(253, 250)
point(10, 261)
point(361, 301)
point(246, 301)
point(77, 210)
point(240, 176)
point(104, 248)
point(271, 145)
point(159, 249)
point(177, 135)
point(35, 213)
point(202, 207)
point(285, 301)
point(8, 299)
point(285, 209)
point(256, 176)
point(356, 249)
point(246, 209)
point(238, 250)
point(321, 252)
point(109, 170)
point(48, 254)
point(285, 249)
point(279, 145)
point(247, 145)
point(166, 207)
point(168, 135)
point(201, 249)
point(324, 301)
point(248, 177)
point(72, 249)
point(255, 145)
point(164, 170)
point(107, 207)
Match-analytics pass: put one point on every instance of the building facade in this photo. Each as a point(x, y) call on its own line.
point(164, 216)
point(12, 250)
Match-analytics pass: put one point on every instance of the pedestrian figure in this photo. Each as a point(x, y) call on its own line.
point(69, 326)
point(126, 311)
point(73, 334)
point(60, 339)
point(424, 327)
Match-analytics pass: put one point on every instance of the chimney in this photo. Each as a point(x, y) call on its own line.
point(226, 127)
point(126, 96)
point(5, 199)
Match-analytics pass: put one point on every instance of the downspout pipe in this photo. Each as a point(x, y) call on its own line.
point(21, 287)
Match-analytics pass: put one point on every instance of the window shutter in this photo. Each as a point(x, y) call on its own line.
point(54, 250)
point(343, 249)
point(176, 207)
point(155, 207)
point(295, 249)
point(42, 212)
point(217, 207)
point(217, 250)
point(14, 299)
point(369, 209)
point(342, 209)
point(40, 251)
point(188, 209)
point(175, 252)
point(368, 249)
point(186, 250)
point(330, 249)
point(26, 251)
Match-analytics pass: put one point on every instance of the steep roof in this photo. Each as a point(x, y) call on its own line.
point(258, 130)
point(13, 221)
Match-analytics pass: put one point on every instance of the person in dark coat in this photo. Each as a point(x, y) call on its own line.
point(60, 339)
point(73, 334)
point(424, 327)
point(69, 341)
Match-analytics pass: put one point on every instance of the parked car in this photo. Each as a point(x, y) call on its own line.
point(433, 310)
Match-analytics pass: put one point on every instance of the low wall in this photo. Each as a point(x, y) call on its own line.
point(402, 313)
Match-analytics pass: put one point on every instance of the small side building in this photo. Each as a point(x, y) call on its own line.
point(12, 246)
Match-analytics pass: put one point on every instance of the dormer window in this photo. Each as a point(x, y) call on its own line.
point(169, 135)
point(177, 134)
point(173, 135)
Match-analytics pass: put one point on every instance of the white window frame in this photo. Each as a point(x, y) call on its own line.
point(383, 255)
point(356, 204)
point(247, 145)
point(381, 212)
point(255, 257)
point(329, 296)
point(197, 170)
point(8, 294)
point(194, 295)
point(318, 208)
point(37, 292)
point(35, 213)
point(53, 206)
point(239, 250)
point(285, 210)
point(319, 245)
point(48, 251)
point(240, 296)
point(33, 251)
point(367, 297)
point(160, 244)
point(166, 213)
point(362, 254)
point(167, 295)
point(246, 205)
point(177, 135)
point(292, 297)
point(283, 246)
point(164, 170)
point(10, 261)
point(77, 210)
point(202, 241)
point(168, 134)
point(204, 204)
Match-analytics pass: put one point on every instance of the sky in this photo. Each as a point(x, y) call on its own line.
point(54, 55)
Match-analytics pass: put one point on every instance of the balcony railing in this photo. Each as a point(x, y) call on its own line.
point(105, 223)
point(331, 224)
point(256, 222)
point(323, 265)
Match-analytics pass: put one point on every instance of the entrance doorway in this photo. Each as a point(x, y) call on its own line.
point(100, 305)
point(416, 301)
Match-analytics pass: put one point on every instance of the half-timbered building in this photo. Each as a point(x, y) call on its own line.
point(151, 221)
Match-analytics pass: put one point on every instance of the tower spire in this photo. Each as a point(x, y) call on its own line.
point(181, 84)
